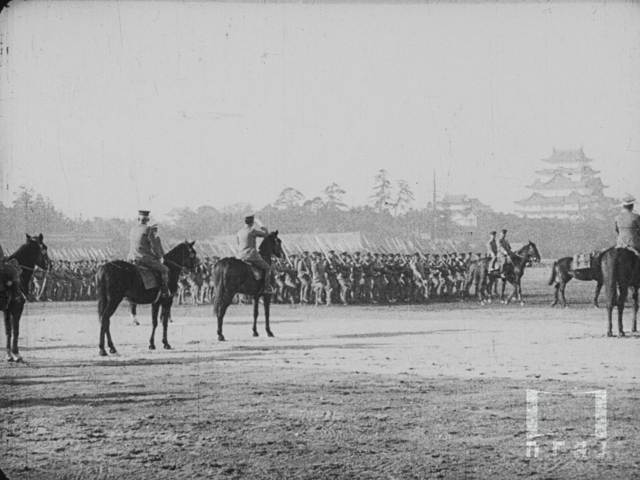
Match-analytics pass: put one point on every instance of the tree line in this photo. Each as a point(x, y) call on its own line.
point(390, 213)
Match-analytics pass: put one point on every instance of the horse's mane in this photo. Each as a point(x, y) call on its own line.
point(22, 249)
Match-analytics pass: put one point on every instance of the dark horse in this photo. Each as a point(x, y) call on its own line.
point(620, 272)
point(562, 273)
point(31, 254)
point(514, 271)
point(120, 279)
point(232, 276)
point(479, 275)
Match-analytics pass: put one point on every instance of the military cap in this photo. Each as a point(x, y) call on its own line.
point(143, 213)
point(504, 230)
point(493, 232)
point(628, 200)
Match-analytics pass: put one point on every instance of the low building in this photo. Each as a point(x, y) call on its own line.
point(463, 210)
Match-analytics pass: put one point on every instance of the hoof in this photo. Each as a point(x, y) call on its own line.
point(152, 347)
point(18, 359)
point(103, 353)
point(255, 334)
point(221, 338)
point(609, 334)
point(522, 304)
point(167, 346)
point(269, 334)
point(621, 334)
point(10, 359)
point(113, 350)
point(135, 323)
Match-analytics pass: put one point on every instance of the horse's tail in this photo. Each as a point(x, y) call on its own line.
point(102, 290)
point(552, 279)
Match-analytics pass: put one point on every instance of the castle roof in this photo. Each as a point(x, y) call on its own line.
point(574, 198)
point(454, 199)
point(567, 156)
point(585, 170)
point(559, 182)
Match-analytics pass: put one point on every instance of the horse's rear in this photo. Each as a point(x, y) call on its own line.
point(113, 280)
point(620, 272)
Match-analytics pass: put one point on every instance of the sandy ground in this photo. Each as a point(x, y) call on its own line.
point(429, 391)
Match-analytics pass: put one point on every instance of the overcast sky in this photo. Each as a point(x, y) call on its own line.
point(108, 107)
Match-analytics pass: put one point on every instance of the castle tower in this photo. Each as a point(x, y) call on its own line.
point(565, 189)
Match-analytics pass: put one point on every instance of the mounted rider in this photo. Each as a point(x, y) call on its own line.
point(628, 226)
point(492, 250)
point(504, 251)
point(146, 249)
point(248, 252)
point(15, 283)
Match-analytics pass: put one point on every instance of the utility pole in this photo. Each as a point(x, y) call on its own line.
point(435, 214)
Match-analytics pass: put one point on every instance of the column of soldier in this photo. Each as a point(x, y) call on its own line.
point(317, 278)
point(330, 278)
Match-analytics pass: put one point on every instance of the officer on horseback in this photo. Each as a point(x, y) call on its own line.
point(492, 250)
point(628, 226)
point(248, 252)
point(16, 284)
point(146, 249)
point(504, 251)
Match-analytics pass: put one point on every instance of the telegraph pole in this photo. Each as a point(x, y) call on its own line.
point(435, 214)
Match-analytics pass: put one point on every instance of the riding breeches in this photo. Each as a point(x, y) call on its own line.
point(156, 266)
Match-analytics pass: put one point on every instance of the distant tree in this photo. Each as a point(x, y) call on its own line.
point(315, 205)
point(382, 196)
point(405, 197)
point(333, 196)
point(289, 198)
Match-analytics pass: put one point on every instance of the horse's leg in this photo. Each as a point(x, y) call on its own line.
point(7, 328)
point(256, 305)
point(15, 315)
point(635, 309)
point(504, 284)
point(220, 305)
point(267, 305)
point(556, 290)
point(563, 286)
point(105, 321)
point(165, 315)
point(133, 309)
point(154, 324)
point(621, 300)
point(595, 298)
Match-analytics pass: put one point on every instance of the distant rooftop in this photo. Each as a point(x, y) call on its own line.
point(559, 182)
point(567, 156)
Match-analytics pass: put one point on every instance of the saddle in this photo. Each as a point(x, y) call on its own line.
point(150, 279)
point(258, 273)
point(583, 261)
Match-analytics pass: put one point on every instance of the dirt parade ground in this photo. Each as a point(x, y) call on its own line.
point(444, 390)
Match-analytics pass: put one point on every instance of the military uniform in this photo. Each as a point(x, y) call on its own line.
point(146, 249)
point(628, 229)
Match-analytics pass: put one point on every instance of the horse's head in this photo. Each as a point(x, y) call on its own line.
point(40, 253)
point(188, 255)
point(271, 245)
point(530, 252)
